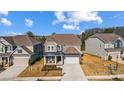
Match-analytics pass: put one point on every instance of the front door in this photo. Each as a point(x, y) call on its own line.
point(51, 59)
point(4, 61)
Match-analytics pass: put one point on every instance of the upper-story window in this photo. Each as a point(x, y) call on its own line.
point(118, 44)
point(19, 51)
point(48, 48)
point(52, 48)
point(59, 47)
point(9, 48)
point(1, 49)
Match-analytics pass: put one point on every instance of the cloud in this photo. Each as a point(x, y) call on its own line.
point(60, 17)
point(4, 13)
point(28, 22)
point(5, 22)
point(12, 33)
point(70, 27)
point(75, 18)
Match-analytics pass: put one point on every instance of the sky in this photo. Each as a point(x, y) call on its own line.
point(47, 22)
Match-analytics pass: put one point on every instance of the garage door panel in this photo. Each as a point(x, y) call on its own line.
point(71, 59)
point(21, 61)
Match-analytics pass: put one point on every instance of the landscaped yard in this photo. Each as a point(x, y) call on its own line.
point(93, 65)
point(38, 70)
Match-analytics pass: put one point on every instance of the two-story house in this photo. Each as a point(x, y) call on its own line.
point(62, 48)
point(18, 49)
point(105, 45)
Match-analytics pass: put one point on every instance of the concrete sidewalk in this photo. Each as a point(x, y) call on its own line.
point(73, 72)
point(11, 73)
point(106, 77)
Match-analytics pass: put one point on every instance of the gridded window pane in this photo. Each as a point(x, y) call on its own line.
point(19, 51)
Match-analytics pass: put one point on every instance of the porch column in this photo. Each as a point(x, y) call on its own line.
point(8, 61)
point(55, 59)
point(44, 60)
point(61, 59)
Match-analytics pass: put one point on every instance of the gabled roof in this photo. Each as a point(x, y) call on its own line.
point(21, 40)
point(65, 39)
point(9, 39)
point(106, 37)
point(27, 50)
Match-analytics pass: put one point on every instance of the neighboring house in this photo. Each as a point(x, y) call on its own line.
point(105, 45)
point(62, 48)
point(18, 48)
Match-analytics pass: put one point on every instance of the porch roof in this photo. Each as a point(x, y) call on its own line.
point(114, 49)
point(71, 50)
point(5, 54)
point(52, 53)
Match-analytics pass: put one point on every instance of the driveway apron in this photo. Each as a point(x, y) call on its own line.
point(73, 72)
point(11, 72)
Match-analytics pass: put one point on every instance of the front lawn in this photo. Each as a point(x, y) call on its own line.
point(39, 70)
point(93, 65)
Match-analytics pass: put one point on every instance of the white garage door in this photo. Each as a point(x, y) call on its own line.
point(21, 61)
point(71, 59)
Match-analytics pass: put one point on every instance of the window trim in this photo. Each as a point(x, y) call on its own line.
point(19, 50)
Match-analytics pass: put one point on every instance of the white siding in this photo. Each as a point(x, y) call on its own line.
point(19, 48)
point(96, 47)
point(51, 44)
point(109, 45)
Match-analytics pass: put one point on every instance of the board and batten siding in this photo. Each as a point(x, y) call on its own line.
point(19, 48)
point(109, 45)
point(96, 47)
point(50, 43)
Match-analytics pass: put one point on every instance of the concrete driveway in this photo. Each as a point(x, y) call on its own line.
point(73, 72)
point(12, 72)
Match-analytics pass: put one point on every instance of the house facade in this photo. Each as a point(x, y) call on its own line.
point(105, 45)
point(18, 48)
point(62, 48)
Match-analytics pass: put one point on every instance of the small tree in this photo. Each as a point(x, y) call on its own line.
point(53, 33)
point(30, 34)
point(109, 58)
point(108, 30)
point(42, 39)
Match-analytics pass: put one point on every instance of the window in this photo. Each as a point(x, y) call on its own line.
point(48, 48)
point(59, 48)
point(115, 44)
point(52, 48)
point(1, 49)
point(118, 44)
point(20, 51)
point(121, 53)
point(9, 48)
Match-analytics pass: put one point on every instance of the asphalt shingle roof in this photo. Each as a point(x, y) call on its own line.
point(106, 37)
point(65, 39)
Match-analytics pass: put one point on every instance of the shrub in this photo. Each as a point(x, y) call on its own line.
point(81, 62)
point(109, 58)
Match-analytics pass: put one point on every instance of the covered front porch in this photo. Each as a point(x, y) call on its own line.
point(6, 61)
point(53, 60)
